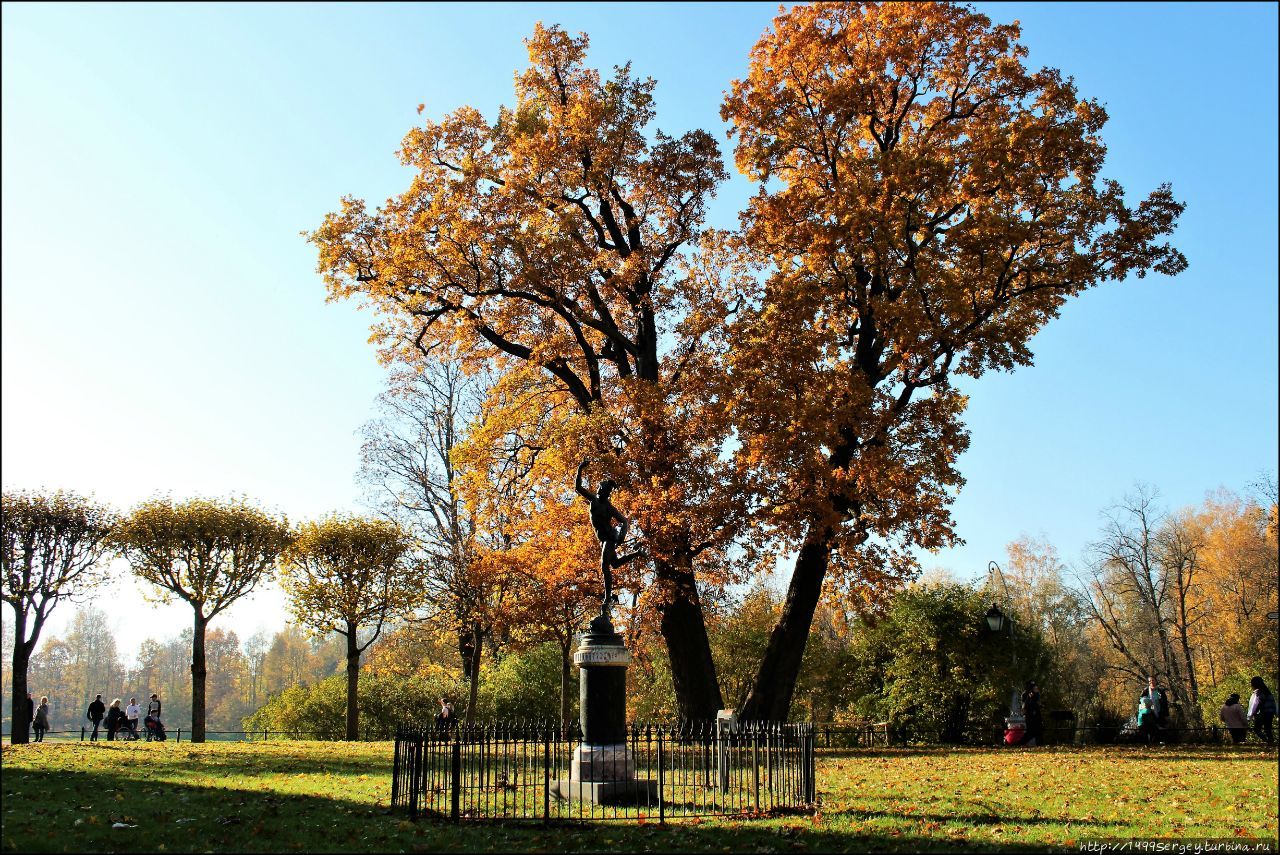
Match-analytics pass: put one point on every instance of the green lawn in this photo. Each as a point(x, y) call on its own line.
point(327, 797)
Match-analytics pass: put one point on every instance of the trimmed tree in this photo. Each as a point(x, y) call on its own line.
point(350, 575)
point(206, 553)
point(49, 544)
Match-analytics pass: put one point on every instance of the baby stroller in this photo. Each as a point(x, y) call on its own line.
point(154, 728)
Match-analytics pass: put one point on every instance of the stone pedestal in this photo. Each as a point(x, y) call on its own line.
point(602, 770)
point(602, 763)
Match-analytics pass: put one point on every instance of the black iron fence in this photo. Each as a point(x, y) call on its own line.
point(543, 773)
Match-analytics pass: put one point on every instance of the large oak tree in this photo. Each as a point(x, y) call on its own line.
point(927, 203)
point(552, 242)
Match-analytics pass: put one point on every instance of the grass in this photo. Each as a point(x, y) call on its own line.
point(329, 797)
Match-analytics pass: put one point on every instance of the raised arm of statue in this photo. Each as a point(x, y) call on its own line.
point(579, 486)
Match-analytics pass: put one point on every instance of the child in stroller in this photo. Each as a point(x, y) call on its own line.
point(155, 730)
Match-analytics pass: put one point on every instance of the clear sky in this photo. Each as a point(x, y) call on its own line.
point(164, 328)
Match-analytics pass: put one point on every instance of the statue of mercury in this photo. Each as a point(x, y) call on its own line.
point(603, 516)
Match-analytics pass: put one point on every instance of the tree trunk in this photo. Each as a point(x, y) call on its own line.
point(198, 672)
point(477, 636)
point(692, 669)
point(775, 682)
point(353, 685)
point(20, 731)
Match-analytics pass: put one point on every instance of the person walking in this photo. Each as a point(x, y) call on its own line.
point(1232, 715)
point(96, 711)
point(115, 720)
point(154, 727)
point(1158, 703)
point(131, 714)
point(1032, 713)
point(1262, 710)
point(446, 719)
point(41, 719)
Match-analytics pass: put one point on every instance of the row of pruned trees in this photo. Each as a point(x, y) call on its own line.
point(926, 204)
point(345, 575)
point(94, 656)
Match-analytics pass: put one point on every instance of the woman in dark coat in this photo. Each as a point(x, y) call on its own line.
point(115, 719)
point(41, 720)
point(1031, 711)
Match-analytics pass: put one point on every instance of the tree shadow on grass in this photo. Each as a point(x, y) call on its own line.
point(76, 811)
point(250, 760)
point(1096, 827)
point(1133, 752)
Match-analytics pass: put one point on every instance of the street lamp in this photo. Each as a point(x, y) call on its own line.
point(996, 619)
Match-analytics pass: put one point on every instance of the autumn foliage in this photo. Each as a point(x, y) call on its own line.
point(550, 245)
point(927, 203)
point(933, 204)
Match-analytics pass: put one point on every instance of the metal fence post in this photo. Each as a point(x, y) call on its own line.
point(722, 755)
point(179, 734)
point(810, 768)
point(455, 779)
point(395, 774)
point(82, 733)
point(546, 776)
point(662, 802)
point(415, 784)
point(755, 765)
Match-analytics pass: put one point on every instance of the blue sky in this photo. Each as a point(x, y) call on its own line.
point(163, 328)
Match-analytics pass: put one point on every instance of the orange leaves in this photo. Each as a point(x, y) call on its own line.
point(936, 203)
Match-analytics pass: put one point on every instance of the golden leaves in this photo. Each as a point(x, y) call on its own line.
point(204, 551)
point(344, 572)
point(936, 203)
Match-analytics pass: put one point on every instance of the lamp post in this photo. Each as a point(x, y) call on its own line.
point(996, 620)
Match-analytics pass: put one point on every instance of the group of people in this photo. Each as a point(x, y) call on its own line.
point(124, 720)
point(1153, 713)
point(1028, 731)
point(1262, 712)
point(118, 719)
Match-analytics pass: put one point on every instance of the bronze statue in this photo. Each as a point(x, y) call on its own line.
point(603, 515)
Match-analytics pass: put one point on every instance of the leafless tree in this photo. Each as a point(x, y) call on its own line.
point(1140, 590)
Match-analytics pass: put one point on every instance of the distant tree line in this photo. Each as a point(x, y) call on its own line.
point(923, 661)
point(93, 657)
point(1195, 615)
